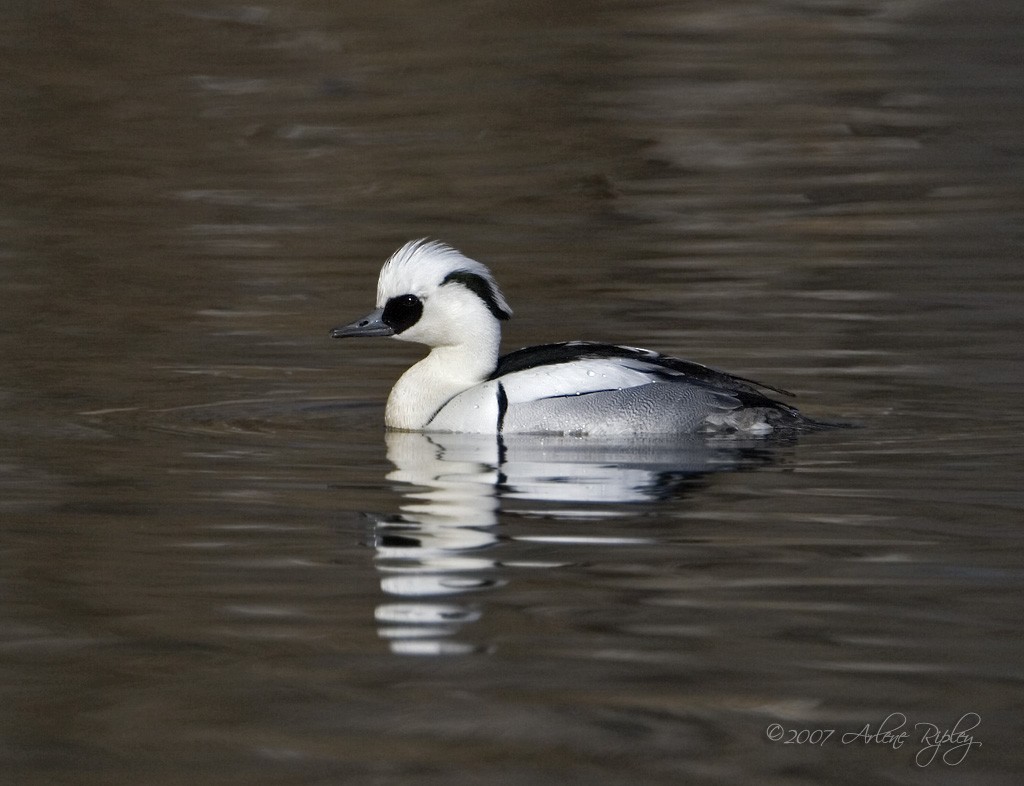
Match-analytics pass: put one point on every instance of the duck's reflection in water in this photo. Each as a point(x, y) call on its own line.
point(433, 556)
point(430, 553)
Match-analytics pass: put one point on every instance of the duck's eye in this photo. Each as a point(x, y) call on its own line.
point(402, 312)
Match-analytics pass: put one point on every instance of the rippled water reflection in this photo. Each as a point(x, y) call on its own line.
point(458, 485)
point(218, 568)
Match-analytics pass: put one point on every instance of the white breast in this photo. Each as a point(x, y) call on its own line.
point(474, 411)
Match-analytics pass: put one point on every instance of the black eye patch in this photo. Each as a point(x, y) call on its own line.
point(402, 312)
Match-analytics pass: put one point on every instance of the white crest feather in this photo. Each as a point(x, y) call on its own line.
point(420, 266)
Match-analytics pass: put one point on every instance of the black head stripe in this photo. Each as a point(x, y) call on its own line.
point(402, 312)
point(480, 287)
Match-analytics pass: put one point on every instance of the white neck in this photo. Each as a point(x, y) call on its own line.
point(447, 371)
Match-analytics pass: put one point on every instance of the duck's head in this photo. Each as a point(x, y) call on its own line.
point(432, 294)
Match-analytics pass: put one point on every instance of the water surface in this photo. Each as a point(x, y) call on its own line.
point(218, 568)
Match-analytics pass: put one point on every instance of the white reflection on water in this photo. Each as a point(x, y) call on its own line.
point(432, 555)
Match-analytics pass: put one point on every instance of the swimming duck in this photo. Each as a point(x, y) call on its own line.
point(431, 294)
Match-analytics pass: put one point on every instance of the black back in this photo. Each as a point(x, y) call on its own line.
point(749, 391)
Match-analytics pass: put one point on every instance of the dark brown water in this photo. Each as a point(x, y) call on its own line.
point(216, 569)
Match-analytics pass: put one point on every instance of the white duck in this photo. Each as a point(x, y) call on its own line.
point(431, 294)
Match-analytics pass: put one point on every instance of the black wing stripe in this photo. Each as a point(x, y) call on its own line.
point(581, 393)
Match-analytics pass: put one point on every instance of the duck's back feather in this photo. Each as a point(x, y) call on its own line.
point(583, 387)
point(653, 362)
